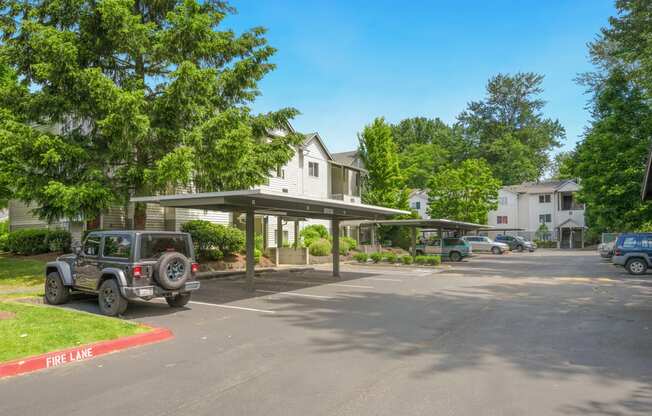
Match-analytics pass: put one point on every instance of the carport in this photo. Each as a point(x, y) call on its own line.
point(277, 204)
point(439, 225)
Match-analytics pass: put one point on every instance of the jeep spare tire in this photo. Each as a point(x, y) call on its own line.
point(172, 270)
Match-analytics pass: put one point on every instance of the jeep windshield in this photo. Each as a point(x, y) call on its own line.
point(152, 246)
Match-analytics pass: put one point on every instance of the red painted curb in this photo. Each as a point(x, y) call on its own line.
point(84, 352)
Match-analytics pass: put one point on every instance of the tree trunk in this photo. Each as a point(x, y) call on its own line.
point(140, 216)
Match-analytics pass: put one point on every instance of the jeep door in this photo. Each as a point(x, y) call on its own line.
point(87, 266)
point(645, 242)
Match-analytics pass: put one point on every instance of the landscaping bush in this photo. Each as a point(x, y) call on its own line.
point(407, 259)
point(4, 242)
point(257, 255)
point(28, 241)
point(361, 257)
point(352, 243)
point(546, 243)
point(208, 236)
point(428, 260)
point(390, 257)
point(344, 247)
point(58, 241)
point(213, 254)
point(376, 257)
point(4, 235)
point(258, 242)
point(312, 233)
point(421, 259)
point(320, 247)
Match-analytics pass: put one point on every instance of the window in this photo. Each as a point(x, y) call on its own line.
point(502, 200)
point(280, 172)
point(544, 218)
point(646, 241)
point(313, 169)
point(630, 242)
point(154, 245)
point(92, 245)
point(544, 199)
point(416, 205)
point(117, 246)
point(501, 219)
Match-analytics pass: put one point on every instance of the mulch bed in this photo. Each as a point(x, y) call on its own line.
point(234, 262)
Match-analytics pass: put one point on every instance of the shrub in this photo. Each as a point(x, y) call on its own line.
point(313, 233)
point(28, 241)
point(257, 255)
point(4, 242)
point(213, 254)
point(320, 248)
point(58, 241)
point(208, 236)
point(258, 242)
point(361, 257)
point(407, 259)
point(546, 243)
point(421, 259)
point(353, 244)
point(390, 257)
point(376, 257)
point(344, 247)
point(433, 260)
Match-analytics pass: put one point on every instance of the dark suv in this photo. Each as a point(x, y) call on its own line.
point(516, 243)
point(633, 251)
point(120, 266)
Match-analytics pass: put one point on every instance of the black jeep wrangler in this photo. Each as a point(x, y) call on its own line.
point(120, 266)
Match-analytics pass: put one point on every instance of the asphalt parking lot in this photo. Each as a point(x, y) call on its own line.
point(545, 333)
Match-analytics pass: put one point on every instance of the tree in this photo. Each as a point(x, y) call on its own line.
point(562, 166)
point(610, 160)
point(418, 162)
point(133, 97)
point(464, 193)
point(508, 129)
point(384, 185)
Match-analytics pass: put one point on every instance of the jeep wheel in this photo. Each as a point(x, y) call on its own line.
point(455, 256)
point(56, 292)
point(636, 266)
point(178, 301)
point(110, 299)
point(496, 250)
point(519, 248)
point(172, 270)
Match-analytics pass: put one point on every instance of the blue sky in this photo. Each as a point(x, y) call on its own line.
point(342, 63)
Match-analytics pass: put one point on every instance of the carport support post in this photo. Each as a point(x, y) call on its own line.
point(336, 248)
point(414, 242)
point(279, 239)
point(250, 238)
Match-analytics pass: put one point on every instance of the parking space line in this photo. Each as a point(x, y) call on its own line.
point(380, 279)
point(355, 286)
point(242, 308)
point(294, 294)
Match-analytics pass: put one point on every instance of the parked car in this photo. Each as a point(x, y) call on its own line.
point(633, 251)
point(119, 266)
point(606, 250)
point(480, 243)
point(517, 243)
point(453, 249)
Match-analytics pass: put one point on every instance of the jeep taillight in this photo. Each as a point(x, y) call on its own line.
point(138, 272)
point(194, 267)
point(617, 252)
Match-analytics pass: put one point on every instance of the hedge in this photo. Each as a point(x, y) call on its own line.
point(390, 257)
point(208, 237)
point(376, 257)
point(407, 259)
point(312, 233)
point(37, 241)
point(429, 260)
point(361, 257)
point(320, 248)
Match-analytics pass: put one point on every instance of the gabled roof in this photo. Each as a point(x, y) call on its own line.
point(315, 136)
point(538, 187)
point(418, 192)
point(345, 158)
point(569, 223)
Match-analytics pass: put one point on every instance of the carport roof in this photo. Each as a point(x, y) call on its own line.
point(273, 203)
point(429, 223)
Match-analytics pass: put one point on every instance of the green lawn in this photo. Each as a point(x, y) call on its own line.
point(19, 273)
point(38, 329)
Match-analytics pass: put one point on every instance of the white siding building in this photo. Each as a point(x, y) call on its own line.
point(313, 172)
point(419, 202)
point(553, 203)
